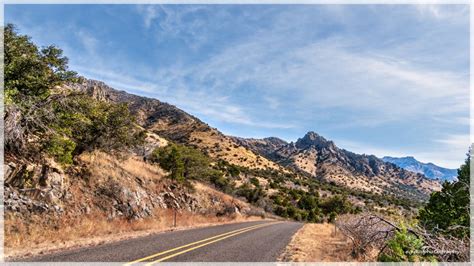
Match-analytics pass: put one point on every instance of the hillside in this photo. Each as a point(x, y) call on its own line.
point(174, 124)
point(430, 170)
point(322, 159)
point(312, 154)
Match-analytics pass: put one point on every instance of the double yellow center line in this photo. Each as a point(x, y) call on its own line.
point(204, 242)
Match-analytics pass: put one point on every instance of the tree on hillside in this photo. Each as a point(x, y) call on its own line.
point(184, 163)
point(30, 71)
point(448, 210)
point(42, 116)
point(30, 75)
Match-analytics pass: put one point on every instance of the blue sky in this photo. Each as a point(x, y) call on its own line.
point(377, 79)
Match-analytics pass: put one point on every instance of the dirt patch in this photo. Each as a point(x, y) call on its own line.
point(318, 243)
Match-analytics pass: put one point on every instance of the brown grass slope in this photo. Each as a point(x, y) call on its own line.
point(174, 124)
point(102, 195)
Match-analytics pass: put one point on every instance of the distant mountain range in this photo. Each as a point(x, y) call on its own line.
point(430, 170)
point(321, 158)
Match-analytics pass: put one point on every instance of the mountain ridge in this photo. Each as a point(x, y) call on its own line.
point(170, 122)
point(321, 158)
point(312, 154)
point(430, 170)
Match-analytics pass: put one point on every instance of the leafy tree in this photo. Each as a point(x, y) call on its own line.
point(281, 211)
point(308, 202)
point(315, 216)
point(171, 160)
point(31, 72)
point(61, 122)
point(95, 124)
point(220, 181)
point(448, 209)
point(338, 204)
point(187, 163)
point(292, 211)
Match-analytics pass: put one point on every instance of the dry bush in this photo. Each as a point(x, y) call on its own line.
point(445, 247)
point(369, 232)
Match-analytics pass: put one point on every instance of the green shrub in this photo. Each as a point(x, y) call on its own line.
point(254, 181)
point(449, 208)
point(61, 148)
point(332, 217)
point(338, 204)
point(404, 247)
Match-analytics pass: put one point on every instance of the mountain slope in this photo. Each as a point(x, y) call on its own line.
point(430, 170)
point(174, 124)
point(312, 154)
point(266, 147)
point(321, 158)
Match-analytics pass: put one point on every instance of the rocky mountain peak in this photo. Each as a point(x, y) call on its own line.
point(313, 139)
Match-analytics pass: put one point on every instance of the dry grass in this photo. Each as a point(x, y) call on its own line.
point(223, 147)
point(23, 239)
point(104, 165)
point(318, 243)
point(42, 233)
point(205, 193)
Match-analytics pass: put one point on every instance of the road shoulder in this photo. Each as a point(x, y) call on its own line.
point(317, 243)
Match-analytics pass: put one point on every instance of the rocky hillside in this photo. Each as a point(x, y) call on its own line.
point(174, 124)
point(322, 159)
point(430, 170)
point(311, 154)
point(266, 147)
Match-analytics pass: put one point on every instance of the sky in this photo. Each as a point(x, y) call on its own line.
point(376, 79)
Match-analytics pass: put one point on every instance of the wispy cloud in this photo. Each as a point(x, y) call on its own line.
point(184, 23)
point(88, 41)
point(394, 79)
point(443, 12)
point(149, 13)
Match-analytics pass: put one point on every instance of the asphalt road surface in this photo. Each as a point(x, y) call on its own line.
point(259, 241)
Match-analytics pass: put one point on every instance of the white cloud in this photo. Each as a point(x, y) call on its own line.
point(149, 13)
point(272, 102)
point(328, 74)
point(458, 143)
point(443, 12)
point(168, 21)
point(88, 41)
point(194, 101)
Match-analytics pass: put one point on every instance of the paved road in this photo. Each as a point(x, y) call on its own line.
point(260, 241)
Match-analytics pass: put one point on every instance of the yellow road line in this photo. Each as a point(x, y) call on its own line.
point(190, 244)
point(207, 243)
